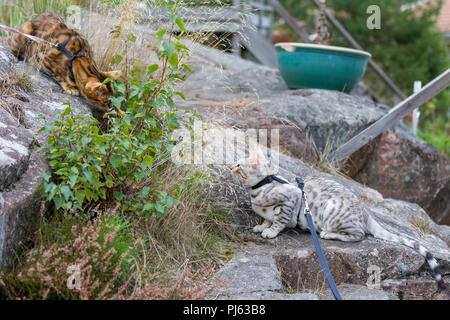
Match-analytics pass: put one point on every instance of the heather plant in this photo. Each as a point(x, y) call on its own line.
point(96, 253)
point(87, 248)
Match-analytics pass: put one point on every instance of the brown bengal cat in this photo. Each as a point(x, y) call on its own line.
point(73, 66)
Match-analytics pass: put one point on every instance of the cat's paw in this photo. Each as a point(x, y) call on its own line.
point(259, 228)
point(70, 90)
point(326, 235)
point(73, 91)
point(269, 233)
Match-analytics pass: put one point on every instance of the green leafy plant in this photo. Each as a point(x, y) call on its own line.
point(124, 163)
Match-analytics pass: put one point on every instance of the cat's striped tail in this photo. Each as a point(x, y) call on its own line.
point(375, 229)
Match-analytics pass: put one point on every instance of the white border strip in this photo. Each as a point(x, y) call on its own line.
point(290, 46)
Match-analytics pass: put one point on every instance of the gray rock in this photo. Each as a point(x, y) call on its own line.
point(19, 210)
point(329, 118)
point(6, 59)
point(15, 143)
point(250, 276)
point(270, 295)
point(406, 167)
point(295, 255)
point(253, 82)
point(248, 273)
point(415, 289)
point(357, 292)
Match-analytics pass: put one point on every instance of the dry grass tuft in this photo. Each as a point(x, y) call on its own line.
point(11, 92)
point(107, 29)
point(194, 234)
point(15, 82)
point(301, 287)
point(321, 160)
point(421, 224)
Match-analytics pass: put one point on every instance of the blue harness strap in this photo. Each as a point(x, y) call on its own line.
point(320, 255)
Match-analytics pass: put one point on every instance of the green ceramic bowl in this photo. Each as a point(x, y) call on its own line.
point(305, 65)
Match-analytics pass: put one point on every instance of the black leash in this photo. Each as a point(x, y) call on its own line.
point(312, 230)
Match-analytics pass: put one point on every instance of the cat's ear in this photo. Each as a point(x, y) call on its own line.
point(254, 156)
point(92, 86)
point(259, 153)
point(254, 162)
point(112, 74)
point(271, 168)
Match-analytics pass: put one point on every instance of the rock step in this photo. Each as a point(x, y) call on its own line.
point(251, 276)
point(359, 292)
point(19, 210)
point(273, 269)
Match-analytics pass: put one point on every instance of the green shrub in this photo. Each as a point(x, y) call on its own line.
point(124, 163)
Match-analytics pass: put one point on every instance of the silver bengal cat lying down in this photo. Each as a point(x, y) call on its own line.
point(336, 212)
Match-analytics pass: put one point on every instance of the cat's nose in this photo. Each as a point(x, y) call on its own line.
point(107, 104)
point(235, 167)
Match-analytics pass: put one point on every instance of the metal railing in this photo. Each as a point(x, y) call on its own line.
point(395, 114)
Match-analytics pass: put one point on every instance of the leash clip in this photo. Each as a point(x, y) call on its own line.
point(306, 210)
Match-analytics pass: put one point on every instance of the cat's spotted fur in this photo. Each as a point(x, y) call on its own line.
point(336, 211)
point(87, 78)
